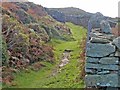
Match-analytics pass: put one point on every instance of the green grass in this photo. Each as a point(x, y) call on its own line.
point(69, 75)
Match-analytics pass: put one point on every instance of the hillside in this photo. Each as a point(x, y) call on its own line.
point(51, 75)
point(37, 50)
point(70, 14)
point(70, 11)
point(27, 25)
point(76, 16)
point(26, 31)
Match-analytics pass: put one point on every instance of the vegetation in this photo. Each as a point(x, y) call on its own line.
point(33, 44)
point(5, 55)
point(67, 77)
point(26, 29)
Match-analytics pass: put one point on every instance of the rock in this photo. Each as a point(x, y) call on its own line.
point(112, 55)
point(89, 71)
point(61, 65)
point(112, 88)
point(96, 30)
point(97, 34)
point(99, 40)
point(109, 80)
point(102, 36)
point(92, 60)
point(101, 66)
point(112, 23)
point(103, 72)
point(108, 36)
point(105, 27)
point(99, 50)
point(117, 53)
point(96, 19)
point(117, 42)
point(109, 60)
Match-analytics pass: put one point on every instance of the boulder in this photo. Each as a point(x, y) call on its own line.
point(117, 42)
point(105, 27)
point(99, 50)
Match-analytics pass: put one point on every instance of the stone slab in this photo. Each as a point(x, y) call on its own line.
point(101, 66)
point(92, 60)
point(109, 80)
point(99, 40)
point(109, 60)
point(99, 50)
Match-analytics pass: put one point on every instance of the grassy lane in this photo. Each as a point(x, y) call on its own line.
point(69, 75)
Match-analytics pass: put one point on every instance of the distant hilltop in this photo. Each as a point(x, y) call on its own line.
point(75, 15)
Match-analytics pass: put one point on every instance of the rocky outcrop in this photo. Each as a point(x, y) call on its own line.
point(102, 58)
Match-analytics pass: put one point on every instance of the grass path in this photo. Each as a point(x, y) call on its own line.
point(69, 75)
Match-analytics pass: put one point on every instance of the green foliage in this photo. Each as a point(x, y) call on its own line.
point(68, 77)
point(52, 32)
point(27, 40)
point(3, 50)
point(77, 31)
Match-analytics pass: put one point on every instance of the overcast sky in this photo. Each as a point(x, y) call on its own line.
point(106, 7)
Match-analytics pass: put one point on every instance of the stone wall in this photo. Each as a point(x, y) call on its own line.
point(102, 58)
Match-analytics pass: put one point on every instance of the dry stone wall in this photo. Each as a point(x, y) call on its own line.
point(102, 58)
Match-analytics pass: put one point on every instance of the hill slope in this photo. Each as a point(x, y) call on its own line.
point(70, 14)
point(70, 11)
point(26, 29)
point(31, 39)
point(53, 76)
point(75, 15)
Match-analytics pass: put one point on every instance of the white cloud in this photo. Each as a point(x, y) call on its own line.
point(107, 7)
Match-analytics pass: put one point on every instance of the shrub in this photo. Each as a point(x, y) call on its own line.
point(3, 49)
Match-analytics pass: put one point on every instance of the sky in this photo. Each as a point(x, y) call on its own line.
point(106, 7)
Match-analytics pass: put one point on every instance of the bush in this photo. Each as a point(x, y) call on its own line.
point(3, 49)
point(24, 17)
